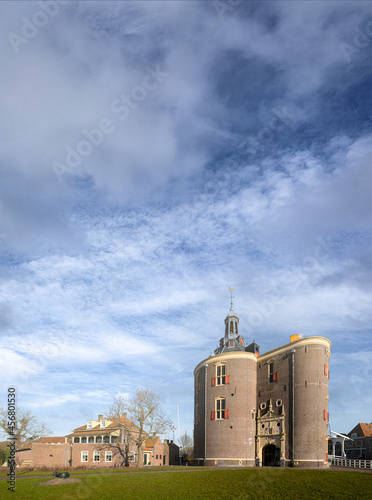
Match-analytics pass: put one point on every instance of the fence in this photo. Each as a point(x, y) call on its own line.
point(351, 462)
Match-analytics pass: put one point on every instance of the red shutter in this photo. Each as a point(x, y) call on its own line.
point(213, 415)
point(275, 376)
point(325, 415)
point(227, 379)
point(325, 369)
point(213, 381)
point(226, 413)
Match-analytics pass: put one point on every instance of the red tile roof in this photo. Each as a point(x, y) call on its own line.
point(50, 440)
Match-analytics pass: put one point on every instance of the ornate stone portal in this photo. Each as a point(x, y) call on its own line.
point(270, 436)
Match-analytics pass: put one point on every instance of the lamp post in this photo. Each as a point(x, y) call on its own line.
point(70, 461)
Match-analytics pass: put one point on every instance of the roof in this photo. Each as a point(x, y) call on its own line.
point(51, 440)
point(362, 430)
point(115, 424)
point(151, 442)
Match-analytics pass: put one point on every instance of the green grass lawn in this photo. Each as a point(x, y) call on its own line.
point(204, 484)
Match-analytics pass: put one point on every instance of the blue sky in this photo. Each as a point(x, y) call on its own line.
point(152, 154)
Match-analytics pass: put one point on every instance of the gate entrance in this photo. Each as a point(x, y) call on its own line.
point(271, 456)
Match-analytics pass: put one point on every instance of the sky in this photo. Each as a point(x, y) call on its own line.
point(154, 154)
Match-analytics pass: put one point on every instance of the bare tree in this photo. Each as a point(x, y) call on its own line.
point(144, 410)
point(27, 427)
point(117, 412)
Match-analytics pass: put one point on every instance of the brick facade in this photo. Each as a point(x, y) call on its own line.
point(269, 409)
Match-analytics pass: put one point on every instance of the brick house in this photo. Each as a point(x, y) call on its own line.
point(360, 444)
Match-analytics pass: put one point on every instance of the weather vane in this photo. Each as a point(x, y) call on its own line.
point(231, 298)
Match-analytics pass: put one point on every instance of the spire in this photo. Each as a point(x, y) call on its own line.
point(232, 341)
point(231, 299)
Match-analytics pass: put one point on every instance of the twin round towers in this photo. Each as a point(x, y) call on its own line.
point(269, 409)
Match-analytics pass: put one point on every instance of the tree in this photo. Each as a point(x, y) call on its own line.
point(27, 427)
point(186, 446)
point(144, 410)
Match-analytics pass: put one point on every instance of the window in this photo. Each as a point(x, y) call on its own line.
point(271, 372)
point(99, 439)
point(157, 457)
point(76, 440)
point(273, 376)
point(103, 424)
point(91, 439)
point(326, 370)
point(108, 456)
point(106, 439)
point(83, 440)
point(96, 455)
point(220, 412)
point(160, 456)
point(231, 343)
point(132, 456)
point(84, 456)
point(89, 425)
point(221, 378)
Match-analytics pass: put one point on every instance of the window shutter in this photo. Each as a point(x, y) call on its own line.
point(275, 376)
point(325, 369)
point(227, 379)
point(213, 415)
point(325, 415)
point(226, 413)
point(213, 381)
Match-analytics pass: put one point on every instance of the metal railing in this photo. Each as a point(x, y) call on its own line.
point(352, 462)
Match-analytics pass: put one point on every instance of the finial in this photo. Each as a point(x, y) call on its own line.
point(231, 298)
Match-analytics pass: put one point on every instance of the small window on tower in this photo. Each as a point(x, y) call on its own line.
point(221, 375)
point(231, 343)
point(271, 372)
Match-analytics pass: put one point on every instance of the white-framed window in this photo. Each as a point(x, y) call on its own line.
point(96, 456)
point(99, 439)
point(89, 425)
point(106, 439)
point(84, 456)
point(220, 408)
point(83, 440)
point(103, 424)
point(132, 456)
point(91, 439)
point(220, 374)
point(108, 456)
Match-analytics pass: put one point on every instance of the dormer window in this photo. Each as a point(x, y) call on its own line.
point(89, 425)
point(103, 423)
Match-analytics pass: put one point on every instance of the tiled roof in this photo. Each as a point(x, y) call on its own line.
point(151, 442)
point(50, 440)
point(362, 430)
point(366, 429)
point(97, 429)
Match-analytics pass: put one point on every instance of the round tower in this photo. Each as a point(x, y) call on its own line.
point(225, 402)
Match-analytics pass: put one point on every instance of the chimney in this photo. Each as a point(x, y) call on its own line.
point(100, 417)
